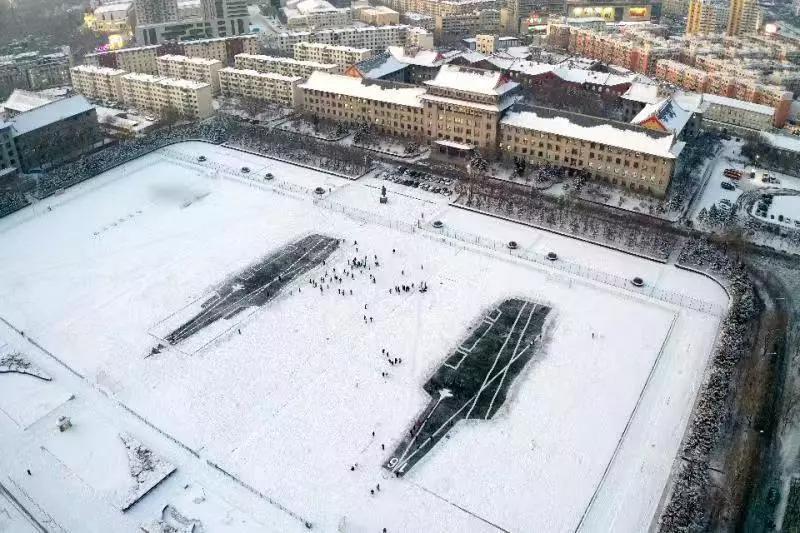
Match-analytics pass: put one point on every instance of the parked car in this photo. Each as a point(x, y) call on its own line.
point(728, 186)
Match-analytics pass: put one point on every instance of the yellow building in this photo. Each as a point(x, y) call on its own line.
point(283, 65)
point(98, 83)
point(191, 68)
point(389, 108)
point(707, 16)
point(745, 17)
point(344, 56)
point(140, 59)
point(267, 86)
point(378, 16)
point(157, 95)
point(615, 152)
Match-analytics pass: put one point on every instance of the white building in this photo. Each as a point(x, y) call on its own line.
point(373, 37)
point(141, 59)
point(154, 94)
point(316, 14)
point(419, 38)
point(283, 65)
point(191, 68)
point(98, 83)
point(344, 56)
point(268, 86)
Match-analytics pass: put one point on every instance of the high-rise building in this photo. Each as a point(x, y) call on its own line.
point(707, 16)
point(156, 11)
point(745, 17)
point(165, 20)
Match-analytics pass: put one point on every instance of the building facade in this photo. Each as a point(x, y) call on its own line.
point(267, 86)
point(388, 108)
point(745, 17)
point(315, 14)
point(456, 26)
point(113, 18)
point(221, 48)
point(283, 65)
point(164, 20)
point(143, 59)
point(463, 107)
point(379, 16)
point(33, 71)
point(343, 56)
point(98, 83)
point(618, 153)
point(707, 16)
point(160, 96)
point(732, 113)
point(191, 68)
point(372, 37)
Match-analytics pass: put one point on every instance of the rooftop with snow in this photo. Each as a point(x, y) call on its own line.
point(592, 129)
point(51, 112)
point(477, 81)
point(405, 95)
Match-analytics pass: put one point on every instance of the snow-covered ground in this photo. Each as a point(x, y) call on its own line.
point(586, 438)
point(730, 158)
point(784, 211)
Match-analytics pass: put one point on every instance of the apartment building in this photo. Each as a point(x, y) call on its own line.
point(157, 95)
point(707, 17)
point(113, 18)
point(675, 8)
point(221, 48)
point(731, 113)
point(745, 17)
point(283, 65)
point(390, 108)
point(419, 38)
point(379, 16)
point(615, 152)
point(456, 26)
point(440, 7)
point(372, 37)
point(98, 83)
point(420, 20)
point(638, 52)
point(33, 71)
point(267, 86)
point(682, 75)
point(141, 59)
point(315, 14)
point(144, 59)
point(191, 68)
point(463, 107)
point(343, 56)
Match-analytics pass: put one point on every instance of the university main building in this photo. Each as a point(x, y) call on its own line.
point(463, 110)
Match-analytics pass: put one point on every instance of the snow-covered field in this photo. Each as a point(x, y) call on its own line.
point(585, 440)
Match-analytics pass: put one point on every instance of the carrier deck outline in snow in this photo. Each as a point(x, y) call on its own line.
point(258, 283)
point(473, 381)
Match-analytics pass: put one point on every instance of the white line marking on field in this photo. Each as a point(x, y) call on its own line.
point(443, 394)
point(496, 358)
point(505, 372)
point(446, 422)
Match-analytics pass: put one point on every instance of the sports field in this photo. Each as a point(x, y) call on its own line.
point(295, 358)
